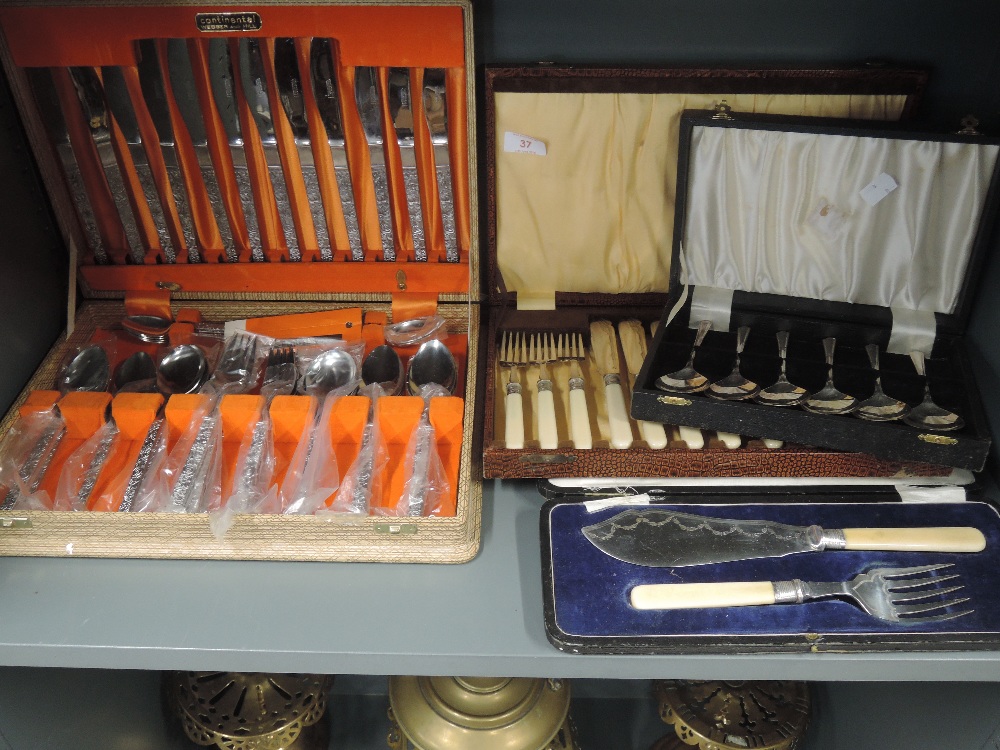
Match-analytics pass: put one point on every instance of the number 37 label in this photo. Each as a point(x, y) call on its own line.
point(516, 143)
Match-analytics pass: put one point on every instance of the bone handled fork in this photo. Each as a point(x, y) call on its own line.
point(512, 355)
point(901, 595)
point(542, 351)
point(571, 348)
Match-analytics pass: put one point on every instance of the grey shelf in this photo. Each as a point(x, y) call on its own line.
point(483, 617)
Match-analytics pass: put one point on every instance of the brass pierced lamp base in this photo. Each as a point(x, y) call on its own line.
point(250, 710)
point(485, 713)
point(733, 715)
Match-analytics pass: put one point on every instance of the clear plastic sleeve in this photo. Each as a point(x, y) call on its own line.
point(413, 332)
point(427, 486)
point(24, 459)
point(364, 478)
point(313, 474)
point(82, 469)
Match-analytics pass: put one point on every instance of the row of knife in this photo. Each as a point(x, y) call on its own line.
point(255, 149)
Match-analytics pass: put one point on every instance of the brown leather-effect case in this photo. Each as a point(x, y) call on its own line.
point(519, 105)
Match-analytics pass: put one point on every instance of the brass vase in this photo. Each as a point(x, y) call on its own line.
point(250, 710)
point(485, 713)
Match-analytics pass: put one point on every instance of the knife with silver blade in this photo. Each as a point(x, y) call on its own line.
point(369, 108)
point(660, 538)
point(255, 89)
point(322, 70)
point(436, 114)
point(401, 109)
point(90, 91)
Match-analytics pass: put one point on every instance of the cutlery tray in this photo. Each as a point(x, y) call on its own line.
point(775, 237)
point(580, 204)
point(586, 591)
point(220, 169)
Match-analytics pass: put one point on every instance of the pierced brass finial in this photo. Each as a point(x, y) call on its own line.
point(970, 126)
point(723, 111)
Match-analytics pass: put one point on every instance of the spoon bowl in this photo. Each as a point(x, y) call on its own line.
point(687, 379)
point(735, 386)
point(184, 369)
point(383, 367)
point(929, 416)
point(829, 399)
point(333, 369)
point(432, 364)
point(136, 374)
point(89, 370)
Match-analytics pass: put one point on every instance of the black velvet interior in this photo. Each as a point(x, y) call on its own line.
point(590, 590)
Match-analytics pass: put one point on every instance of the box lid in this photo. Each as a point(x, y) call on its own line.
point(853, 222)
point(317, 150)
point(592, 216)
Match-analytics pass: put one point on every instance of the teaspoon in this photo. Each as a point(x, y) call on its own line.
point(782, 393)
point(735, 387)
point(879, 407)
point(927, 415)
point(687, 379)
point(829, 400)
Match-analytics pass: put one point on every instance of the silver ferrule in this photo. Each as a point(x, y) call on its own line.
point(788, 592)
point(544, 385)
point(513, 388)
point(576, 384)
point(612, 379)
point(820, 539)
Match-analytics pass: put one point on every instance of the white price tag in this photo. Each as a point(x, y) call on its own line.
point(878, 189)
point(516, 143)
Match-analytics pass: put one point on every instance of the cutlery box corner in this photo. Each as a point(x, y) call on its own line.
point(220, 216)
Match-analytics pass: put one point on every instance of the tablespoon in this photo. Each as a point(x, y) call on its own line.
point(89, 370)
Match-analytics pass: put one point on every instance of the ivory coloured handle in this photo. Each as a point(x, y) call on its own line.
point(701, 595)
point(927, 539)
point(580, 419)
point(692, 436)
point(618, 424)
point(548, 436)
point(729, 439)
point(654, 435)
point(514, 416)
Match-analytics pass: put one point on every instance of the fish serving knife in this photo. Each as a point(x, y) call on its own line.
point(661, 538)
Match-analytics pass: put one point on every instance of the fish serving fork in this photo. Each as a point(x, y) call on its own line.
point(902, 595)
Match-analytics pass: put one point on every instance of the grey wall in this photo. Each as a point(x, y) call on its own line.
point(957, 41)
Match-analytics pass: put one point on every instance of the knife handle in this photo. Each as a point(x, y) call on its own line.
point(654, 434)
point(579, 417)
point(618, 425)
point(929, 539)
point(548, 436)
point(701, 595)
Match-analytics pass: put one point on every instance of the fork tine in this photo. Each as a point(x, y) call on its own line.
point(917, 596)
point(937, 618)
point(904, 585)
point(892, 573)
point(919, 609)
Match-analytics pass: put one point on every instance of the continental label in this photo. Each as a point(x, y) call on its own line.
point(228, 22)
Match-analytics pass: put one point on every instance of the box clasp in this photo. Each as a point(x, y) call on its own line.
point(15, 522)
point(723, 111)
point(937, 439)
point(395, 528)
point(674, 401)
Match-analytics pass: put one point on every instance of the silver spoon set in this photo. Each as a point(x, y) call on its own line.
point(829, 400)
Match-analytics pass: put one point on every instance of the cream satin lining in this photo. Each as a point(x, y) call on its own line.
point(596, 213)
point(782, 213)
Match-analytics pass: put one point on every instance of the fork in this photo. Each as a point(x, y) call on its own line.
point(512, 355)
point(541, 352)
point(902, 595)
point(570, 348)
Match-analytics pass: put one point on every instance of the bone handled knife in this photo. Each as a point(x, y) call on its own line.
point(661, 538)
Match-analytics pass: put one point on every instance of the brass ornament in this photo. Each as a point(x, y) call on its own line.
point(486, 713)
point(250, 710)
point(730, 715)
point(937, 439)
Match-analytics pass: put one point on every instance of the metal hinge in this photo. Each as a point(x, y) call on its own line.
point(15, 522)
point(395, 528)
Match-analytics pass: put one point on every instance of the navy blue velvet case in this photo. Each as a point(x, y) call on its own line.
point(586, 591)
